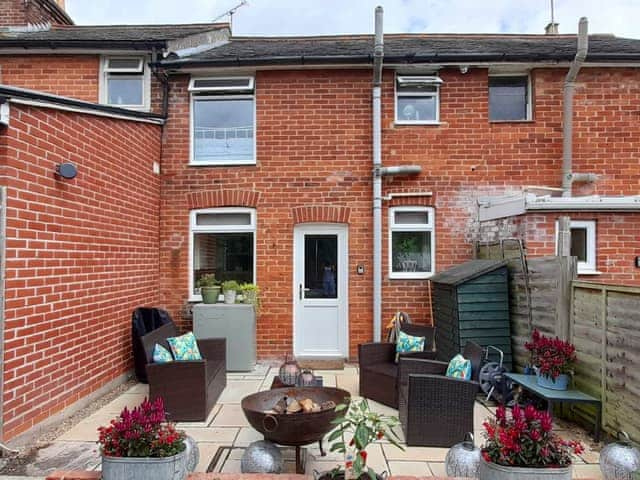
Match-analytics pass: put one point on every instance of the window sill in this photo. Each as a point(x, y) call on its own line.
point(223, 164)
point(589, 272)
point(499, 122)
point(410, 276)
point(417, 124)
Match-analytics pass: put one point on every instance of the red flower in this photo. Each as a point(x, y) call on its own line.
point(363, 454)
point(380, 434)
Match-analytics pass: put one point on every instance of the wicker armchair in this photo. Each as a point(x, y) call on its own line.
point(378, 369)
point(189, 388)
point(435, 410)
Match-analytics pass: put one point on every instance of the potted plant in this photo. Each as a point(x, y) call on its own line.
point(140, 443)
point(230, 289)
point(251, 294)
point(355, 430)
point(552, 360)
point(209, 288)
point(520, 444)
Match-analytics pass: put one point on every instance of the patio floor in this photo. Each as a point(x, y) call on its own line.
point(224, 435)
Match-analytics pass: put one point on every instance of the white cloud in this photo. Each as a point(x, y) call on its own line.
point(289, 17)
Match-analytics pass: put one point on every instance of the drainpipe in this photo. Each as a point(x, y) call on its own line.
point(378, 54)
point(568, 177)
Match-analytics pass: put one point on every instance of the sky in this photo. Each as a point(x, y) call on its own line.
point(326, 17)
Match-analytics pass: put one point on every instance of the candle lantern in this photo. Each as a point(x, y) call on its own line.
point(289, 371)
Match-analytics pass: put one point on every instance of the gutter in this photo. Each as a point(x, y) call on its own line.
point(46, 100)
point(594, 203)
point(378, 56)
point(568, 176)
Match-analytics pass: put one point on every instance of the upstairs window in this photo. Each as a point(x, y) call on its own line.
point(411, 242)
point(509, 98)
point(125, 82)
point(222, 121)
point(417, 99)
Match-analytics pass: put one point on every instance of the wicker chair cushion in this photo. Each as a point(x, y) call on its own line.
point(185, 347)
point(161, 354)
point(459, 367)
point(408, 343)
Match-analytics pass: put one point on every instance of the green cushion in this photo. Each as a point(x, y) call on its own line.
point(185, 347)
point(161, 354)
point(408, 343)
point(459, 367)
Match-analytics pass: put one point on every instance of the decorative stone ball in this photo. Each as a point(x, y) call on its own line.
point(463, 459)
point(620, 460)
point(192, 456)
point(262, 457)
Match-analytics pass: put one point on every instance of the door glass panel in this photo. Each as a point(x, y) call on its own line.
point(320, 266)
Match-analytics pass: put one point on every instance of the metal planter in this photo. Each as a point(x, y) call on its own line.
point(145, 468)
point(493, 471)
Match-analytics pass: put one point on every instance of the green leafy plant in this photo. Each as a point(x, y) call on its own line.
point(141, 432)
point(230, 285)
point(408, 245)
point(361, 427)
point(207, 280)
point(251, 294)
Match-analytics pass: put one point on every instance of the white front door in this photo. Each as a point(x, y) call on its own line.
point(320, 258)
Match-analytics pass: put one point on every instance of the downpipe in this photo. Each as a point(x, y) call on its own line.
point(568, 177)
point(377, 178)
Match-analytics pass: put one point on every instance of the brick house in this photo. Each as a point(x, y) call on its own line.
point(252, 158)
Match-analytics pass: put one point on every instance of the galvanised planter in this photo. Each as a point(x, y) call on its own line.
point(145, 468)
point(560, 383)
point(493, 471)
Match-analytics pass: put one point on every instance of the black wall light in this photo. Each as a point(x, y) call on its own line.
point(66, 170)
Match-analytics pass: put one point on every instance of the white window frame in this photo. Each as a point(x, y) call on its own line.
point(230, 88)
point(588, 267)
point(142, 71)
point(200, 94)
point(193, 229)
point(529, 106)
point(418, 80)
point(408, 227)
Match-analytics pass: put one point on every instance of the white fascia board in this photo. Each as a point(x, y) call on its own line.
point(588, 203)
point(492, 208)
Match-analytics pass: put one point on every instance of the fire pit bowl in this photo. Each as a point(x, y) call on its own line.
point(293, 429)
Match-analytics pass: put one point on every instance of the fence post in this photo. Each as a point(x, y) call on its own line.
point(567, 274)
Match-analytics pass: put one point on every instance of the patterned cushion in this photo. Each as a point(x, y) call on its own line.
point(459, 367)
point(161, 354)
point(185, 347)
point(408, 343)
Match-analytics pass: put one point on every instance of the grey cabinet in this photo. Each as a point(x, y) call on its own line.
point(236, 323)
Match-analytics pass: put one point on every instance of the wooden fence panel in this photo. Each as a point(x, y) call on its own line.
point(604, 328)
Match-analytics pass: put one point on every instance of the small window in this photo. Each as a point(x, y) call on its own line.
point(417, 99)
point(223, 119)
point(125, 82)
point(583, 245)
point(222, 243)
point(509, 98)
point(411, 242)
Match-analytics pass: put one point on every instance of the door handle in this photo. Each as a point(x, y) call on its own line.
point(300, 291)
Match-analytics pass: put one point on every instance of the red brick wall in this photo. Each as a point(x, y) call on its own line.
point(314, 148)
point(81, 255)
point(75, 76)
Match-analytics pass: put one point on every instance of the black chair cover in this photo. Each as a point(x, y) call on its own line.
point(143, 321)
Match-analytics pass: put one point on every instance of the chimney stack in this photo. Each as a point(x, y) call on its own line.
point(550, 29)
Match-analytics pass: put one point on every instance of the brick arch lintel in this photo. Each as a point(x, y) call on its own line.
point(223, 198)
point(321, 214)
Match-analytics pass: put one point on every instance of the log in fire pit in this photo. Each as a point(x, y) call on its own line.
point(265, 413)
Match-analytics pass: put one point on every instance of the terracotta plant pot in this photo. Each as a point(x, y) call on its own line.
point(493, 471)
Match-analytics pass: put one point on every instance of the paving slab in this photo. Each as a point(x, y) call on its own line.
point(416, 469)
point(246, 436)
point(223, 435)
point(64, 456)
point(427, 454)
point(236, 390)
point(230, 415)
point(214, 411)
point(87, 430)
point(207, 452)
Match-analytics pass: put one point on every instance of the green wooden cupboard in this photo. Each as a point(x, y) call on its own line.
point(471, 302)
